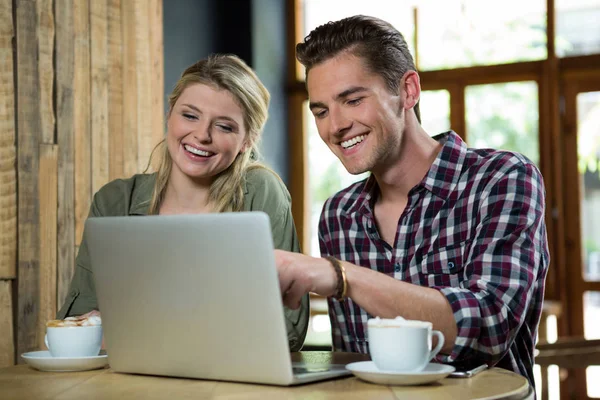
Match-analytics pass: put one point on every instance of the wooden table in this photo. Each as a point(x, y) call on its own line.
point(23, 382)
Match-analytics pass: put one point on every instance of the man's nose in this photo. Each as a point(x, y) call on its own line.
point(338, 122)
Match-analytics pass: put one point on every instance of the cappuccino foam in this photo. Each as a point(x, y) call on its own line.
point(94, 320)
point(397, 322)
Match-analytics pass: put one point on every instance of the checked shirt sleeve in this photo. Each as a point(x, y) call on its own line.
point(504, 263)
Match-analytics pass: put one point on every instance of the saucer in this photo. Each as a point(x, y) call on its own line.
point(367, 371)
point(44, 361)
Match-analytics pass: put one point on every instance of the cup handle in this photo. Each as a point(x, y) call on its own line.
point(46, 341)
point(439, 345)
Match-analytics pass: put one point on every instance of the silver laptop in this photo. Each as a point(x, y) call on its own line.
point(194, 296)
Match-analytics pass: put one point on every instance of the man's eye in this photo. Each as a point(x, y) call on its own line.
point(355, 102)
point(320, 114)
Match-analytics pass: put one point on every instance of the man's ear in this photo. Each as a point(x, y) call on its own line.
point(411, 92)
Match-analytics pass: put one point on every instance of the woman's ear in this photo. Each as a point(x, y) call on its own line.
point(245, 146)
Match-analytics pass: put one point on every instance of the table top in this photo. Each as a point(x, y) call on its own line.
point(23, 382)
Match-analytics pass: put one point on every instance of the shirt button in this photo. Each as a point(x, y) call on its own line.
point(450, 265)
point(73, 292)
point(397, 267)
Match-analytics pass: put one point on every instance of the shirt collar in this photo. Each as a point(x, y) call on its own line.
point(446, 170)
point(440, 180)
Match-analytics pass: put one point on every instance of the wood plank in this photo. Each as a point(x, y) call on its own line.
point(295, 34)
point(130, 136)
point(45, 38)
point(7, 346)
point(157, 71)
point(115, 91)
point(521, 71)
point(579, 62)
point(8, 173)
point(458, 110)
point(99, 100)
point(298, 152)
point(82, 117)
point(144, 85)
point(65, 46)
point(48, 204)
point(28, 131)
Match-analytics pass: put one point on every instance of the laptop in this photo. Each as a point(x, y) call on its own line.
point(194, 296)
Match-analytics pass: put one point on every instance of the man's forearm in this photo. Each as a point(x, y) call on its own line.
point(385, 297)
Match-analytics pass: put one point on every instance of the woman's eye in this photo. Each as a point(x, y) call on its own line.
point(225, 128)
point(189, 116)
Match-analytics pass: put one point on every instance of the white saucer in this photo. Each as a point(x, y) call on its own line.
point(44, 361)
point(367, 371)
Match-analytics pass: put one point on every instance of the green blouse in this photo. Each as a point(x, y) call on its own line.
point(264, 191)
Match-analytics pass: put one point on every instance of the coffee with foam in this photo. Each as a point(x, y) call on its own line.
point(397, 322)
point(64, 341)
point(402, 345)
point(93, 320)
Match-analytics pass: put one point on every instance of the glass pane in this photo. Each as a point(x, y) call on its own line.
point(591, 324)
point(591, 315)
point(588, 149)
point(474, 32)
point(593, 382)
point(577, 28)
point(504, 116)
point(326, 174)
point(435, 111)
point(318, 335)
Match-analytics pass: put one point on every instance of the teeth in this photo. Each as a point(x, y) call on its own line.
point(197, 151)
point(351, 142)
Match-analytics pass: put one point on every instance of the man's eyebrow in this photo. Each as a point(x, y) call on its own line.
point(340, 96)
point(350, 91)
point(316, 104)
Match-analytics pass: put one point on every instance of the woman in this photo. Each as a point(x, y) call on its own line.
point(207, 164)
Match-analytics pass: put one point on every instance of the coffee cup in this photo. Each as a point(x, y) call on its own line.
point(74, 341)
point(401, 345)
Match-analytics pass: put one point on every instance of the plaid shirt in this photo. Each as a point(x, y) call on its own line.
point(473, 229)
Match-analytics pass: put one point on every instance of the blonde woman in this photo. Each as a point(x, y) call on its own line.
point(207, 164)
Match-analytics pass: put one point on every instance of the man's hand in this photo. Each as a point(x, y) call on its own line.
point(300, 274)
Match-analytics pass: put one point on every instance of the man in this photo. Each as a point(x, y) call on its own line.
point(438, 232)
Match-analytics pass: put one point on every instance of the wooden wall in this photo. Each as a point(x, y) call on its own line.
point(81, 103)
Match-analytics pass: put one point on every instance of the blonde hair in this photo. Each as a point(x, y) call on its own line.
point(227, 72)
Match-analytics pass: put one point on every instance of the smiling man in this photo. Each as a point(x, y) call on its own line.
point(439, 232)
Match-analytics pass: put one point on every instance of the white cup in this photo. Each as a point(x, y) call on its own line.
point(401, 345)
point(74, 341)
